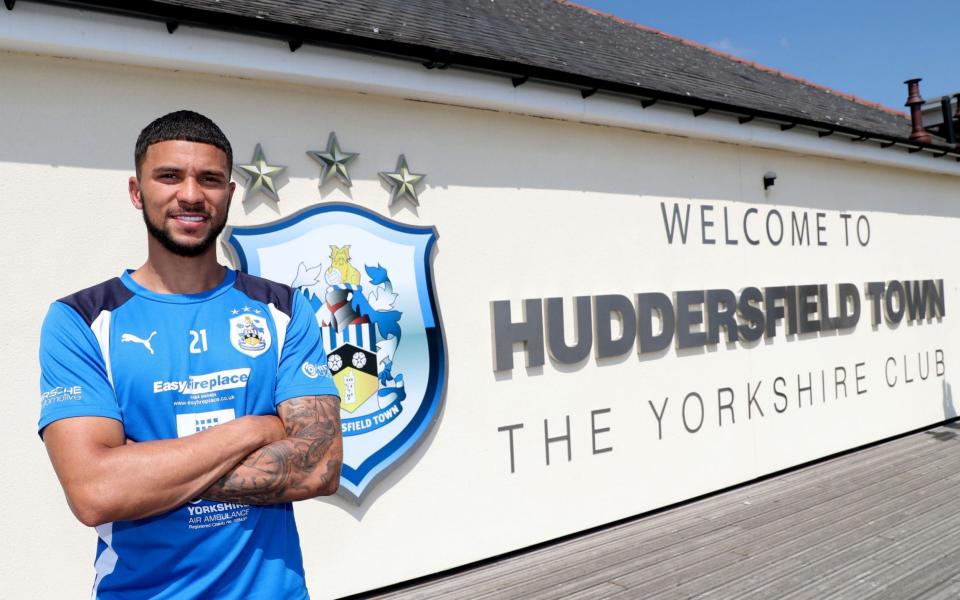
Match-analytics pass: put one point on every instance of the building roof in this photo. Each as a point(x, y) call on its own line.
point(551, 40)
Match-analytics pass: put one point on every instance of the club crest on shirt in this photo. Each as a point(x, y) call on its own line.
point(249, 334)
point(368, 281)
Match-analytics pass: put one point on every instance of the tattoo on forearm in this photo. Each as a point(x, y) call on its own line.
point(309, 456)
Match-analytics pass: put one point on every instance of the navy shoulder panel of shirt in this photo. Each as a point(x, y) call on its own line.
point(266, 291)
point(89, 303)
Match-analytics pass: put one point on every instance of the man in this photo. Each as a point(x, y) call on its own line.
point(185, 405)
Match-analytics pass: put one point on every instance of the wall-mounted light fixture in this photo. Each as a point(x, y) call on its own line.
point(768, 179)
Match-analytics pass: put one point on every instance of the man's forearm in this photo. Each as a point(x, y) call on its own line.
point(108, 480)
point(304, 465)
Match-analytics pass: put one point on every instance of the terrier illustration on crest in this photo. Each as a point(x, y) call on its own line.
point(340, 269)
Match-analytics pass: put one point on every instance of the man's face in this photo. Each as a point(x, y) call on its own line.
point(184, 191)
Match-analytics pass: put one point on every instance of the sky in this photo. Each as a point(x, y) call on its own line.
point(867, 48)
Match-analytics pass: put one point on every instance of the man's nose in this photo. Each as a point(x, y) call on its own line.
point(190, 191)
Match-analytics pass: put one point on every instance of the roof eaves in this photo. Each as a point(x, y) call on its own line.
point(173, 15)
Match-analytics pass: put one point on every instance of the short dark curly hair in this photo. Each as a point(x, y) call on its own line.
point(182, 125)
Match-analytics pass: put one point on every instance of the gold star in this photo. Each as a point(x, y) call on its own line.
point(259, 176)
point(403, 182)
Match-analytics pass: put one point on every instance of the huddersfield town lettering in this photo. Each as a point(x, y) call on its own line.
point(697, 318)
point(368, 280)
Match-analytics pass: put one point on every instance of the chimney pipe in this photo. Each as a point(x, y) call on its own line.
point(956, 114)
point(947, 128)
point(915, 102)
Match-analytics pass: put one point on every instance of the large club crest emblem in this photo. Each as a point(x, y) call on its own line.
point(368, 280)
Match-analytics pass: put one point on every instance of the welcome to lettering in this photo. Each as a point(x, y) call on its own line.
point(771, 227)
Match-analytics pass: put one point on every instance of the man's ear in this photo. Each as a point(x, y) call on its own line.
point(133, 187)
point(231, 187)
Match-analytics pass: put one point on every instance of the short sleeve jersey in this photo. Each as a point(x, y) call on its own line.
point(169, 366)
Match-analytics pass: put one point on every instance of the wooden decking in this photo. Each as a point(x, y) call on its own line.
point(881, 522)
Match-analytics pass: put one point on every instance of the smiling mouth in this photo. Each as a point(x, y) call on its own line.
point(191, 218)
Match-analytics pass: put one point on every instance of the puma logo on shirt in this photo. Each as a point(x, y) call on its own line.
point(129, 337)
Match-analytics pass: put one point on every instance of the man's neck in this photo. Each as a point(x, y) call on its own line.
point(168, 273)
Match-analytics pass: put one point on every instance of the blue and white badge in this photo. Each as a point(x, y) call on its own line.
point(250, 334)
point(368, 280)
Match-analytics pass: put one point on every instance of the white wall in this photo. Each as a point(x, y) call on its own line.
point(525, 208)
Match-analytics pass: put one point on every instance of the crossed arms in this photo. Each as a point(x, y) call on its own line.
point(250, 460)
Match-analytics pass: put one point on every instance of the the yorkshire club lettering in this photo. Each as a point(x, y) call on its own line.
point(368, 280)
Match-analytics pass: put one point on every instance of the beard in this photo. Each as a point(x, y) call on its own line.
point(188, 250)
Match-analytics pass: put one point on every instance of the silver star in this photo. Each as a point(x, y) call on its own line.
point(259, 176)
point(333, 161)
point(234, 311)
point(246, 309)
point(258, 311)
point(403, 182)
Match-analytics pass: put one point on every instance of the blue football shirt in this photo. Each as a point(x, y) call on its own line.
point(168, 366)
